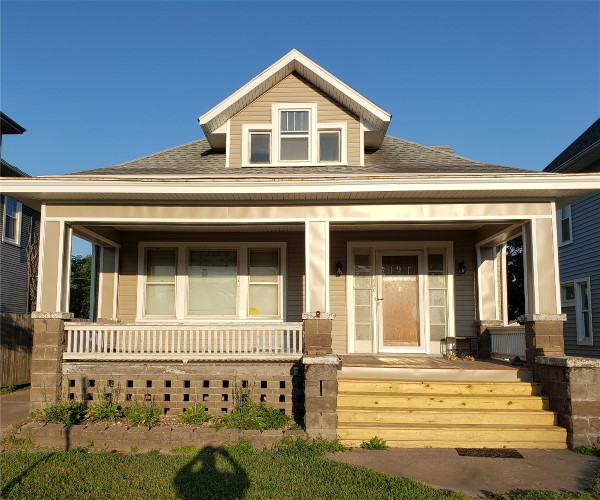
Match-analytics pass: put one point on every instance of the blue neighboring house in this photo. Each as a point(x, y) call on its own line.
point(579, 249)
point(19, 226)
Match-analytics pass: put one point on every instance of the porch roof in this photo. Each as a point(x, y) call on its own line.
point(316, 187)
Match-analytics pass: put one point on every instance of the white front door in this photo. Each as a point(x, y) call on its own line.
point(400, 318)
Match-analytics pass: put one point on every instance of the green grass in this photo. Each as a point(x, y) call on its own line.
point(294, 469)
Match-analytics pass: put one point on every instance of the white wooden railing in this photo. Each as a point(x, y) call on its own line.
point(183, 342)
point(508, 341)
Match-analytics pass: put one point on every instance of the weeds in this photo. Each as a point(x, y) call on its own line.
point(195, 415)
point(251, 415)
point(63, 412)
point(143, 416)
point(107, 411)
point(375, 443)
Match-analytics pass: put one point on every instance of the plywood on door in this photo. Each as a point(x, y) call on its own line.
point(400, 311)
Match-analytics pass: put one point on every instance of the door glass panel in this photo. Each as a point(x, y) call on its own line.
point(363, 296)
point(400, 265)
point(438, 295)
point(212, 278)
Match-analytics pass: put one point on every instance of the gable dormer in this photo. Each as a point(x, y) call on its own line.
point(295, 113)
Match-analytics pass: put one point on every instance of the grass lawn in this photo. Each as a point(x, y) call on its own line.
point(294, 471)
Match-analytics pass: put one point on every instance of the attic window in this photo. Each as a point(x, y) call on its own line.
point(294, 135)
point(329, 146)
point(260, 147)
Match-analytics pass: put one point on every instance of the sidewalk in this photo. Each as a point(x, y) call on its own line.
point(552, 470)
point(14, 408)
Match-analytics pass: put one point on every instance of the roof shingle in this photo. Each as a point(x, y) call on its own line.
point(396, 156)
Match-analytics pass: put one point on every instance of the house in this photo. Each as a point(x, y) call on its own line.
point(295, 232)
point(19, 224)
point(20, 227)
point(578, 230)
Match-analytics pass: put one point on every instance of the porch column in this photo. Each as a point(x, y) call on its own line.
point(49, 343)
point(54, 266)
point(108, 277)
point(487, 277)
point(543, 320)
point(317, 319)
point(317, 265)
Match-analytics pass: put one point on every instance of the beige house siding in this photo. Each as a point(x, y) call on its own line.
point(463, 242)
point(294, 89)
point(128, 265)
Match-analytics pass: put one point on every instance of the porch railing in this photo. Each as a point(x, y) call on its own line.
point(183, 342)
point(508, 341)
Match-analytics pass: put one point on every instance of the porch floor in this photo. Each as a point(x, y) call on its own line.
point(428, 367)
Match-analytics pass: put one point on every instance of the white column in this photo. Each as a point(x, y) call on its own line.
point(316, 234)
point(487, 285)
point(540, 255)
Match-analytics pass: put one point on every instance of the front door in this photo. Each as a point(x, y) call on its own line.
point(399, 292)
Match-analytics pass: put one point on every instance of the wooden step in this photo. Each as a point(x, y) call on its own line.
point(445, 417)
point(414, 387)
point(466, 436)
point(423, 401)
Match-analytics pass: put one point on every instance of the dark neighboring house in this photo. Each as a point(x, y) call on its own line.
point(19, 227)
point(579, 249)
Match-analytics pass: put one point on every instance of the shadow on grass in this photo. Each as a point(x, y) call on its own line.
point(11, 484)
point(212, 473)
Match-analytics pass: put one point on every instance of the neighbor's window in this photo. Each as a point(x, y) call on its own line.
point(160, 282)
point(565, 228)
point(329, 146)
point(294, 135)
point(567, 294)
point(212, 282)
point(264, 282)
point(583, 315)
point(11, 232)
point(260, 147)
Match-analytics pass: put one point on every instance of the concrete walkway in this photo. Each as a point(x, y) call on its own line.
point(14, 408)
point(551, 470)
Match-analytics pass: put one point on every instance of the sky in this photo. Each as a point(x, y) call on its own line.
point(99, 83)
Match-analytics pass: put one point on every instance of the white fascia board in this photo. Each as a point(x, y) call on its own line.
point(298, 58)
point(550, 185)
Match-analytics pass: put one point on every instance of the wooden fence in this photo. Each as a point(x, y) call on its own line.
point(16, 341)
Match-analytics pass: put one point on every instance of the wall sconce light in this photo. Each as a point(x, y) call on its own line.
point(462, 268)
point(339, 269)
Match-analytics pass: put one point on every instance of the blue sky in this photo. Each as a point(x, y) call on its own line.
point(99, 83)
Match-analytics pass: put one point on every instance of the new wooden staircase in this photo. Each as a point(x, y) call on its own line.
point(446, 414)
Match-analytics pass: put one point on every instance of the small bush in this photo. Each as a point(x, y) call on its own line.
point(107, 411)
point(250, 415)
point(63, 412)
point(585, 450)
point(195, 415)
point(375, 443)
point(143, 416)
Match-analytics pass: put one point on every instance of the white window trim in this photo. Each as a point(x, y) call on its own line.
point(312, 131)
point(17, 240)
point(567, 302)
point(313, 137)
point(181, 282)
point(247, 129)
point(578, 313)
point(340, 127)
point(559, 219)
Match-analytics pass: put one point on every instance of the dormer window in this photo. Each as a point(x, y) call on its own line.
point(260, 147)
point(329, 146)
point(294, 137)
